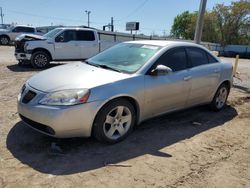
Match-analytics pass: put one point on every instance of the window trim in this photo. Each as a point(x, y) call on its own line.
point(153, 66)
point(64, 32)
point(189, 58)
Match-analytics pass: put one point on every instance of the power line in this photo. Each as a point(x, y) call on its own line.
point(134, 11)
point(78, 20)
point(45, 17)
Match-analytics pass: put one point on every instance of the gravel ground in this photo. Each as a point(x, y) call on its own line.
point(168, 151)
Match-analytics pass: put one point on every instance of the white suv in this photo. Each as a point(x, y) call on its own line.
point(9, 35)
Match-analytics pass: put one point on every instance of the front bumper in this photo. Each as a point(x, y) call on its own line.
point(58, 121)
point(22, 56)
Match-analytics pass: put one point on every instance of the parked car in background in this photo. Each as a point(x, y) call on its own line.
point(58, 45)
point(4, 26)
point(108, 94)
point(9, 35)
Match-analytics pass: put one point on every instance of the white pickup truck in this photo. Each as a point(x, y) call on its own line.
point(8, 35)
point(58, 45)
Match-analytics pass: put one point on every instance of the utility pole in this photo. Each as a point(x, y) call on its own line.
point(88, 13)
point(1, 14)
point(200, 21)
point(112, 24)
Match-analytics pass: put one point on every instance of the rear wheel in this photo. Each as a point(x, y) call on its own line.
point(114, 121)
point(40, 59)
point(220, 98)
point(4, 40)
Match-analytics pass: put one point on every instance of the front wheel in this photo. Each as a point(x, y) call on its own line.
point(40, 59)
point(23, 62)
point(114, 121)
point(220, 98)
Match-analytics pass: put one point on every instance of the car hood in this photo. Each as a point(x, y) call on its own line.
point(29, 37)
point(73, 76)
point(4, 31)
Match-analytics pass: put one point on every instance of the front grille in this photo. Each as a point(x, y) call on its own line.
point(23, 89)
point(41, 127)
point(28, 96)
point(19, 46)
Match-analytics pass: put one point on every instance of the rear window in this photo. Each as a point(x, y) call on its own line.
point(197, 56)
point(24, 29)
point(211, 59)
point(85, 35)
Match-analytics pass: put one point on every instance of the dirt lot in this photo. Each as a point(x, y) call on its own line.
point(170, 151)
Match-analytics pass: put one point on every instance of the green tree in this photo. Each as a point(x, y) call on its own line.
point(183, 26)
point(231, 20)
point(224, 24)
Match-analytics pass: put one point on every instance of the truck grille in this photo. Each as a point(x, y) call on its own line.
point(28, 96)
point(19, 46)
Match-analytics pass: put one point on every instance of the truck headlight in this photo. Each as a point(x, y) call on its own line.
point(66, 97)
point(25, 47)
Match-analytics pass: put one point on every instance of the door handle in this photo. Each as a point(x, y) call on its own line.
point(187, 78)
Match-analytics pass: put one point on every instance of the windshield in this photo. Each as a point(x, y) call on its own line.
point(52, 33)
point(125, 57)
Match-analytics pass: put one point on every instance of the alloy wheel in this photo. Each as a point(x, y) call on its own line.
point(118, 122)
point(221, 97)
point(4, 40)
point(41, 60)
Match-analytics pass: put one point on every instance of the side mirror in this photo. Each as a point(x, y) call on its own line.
point(59, 39)
point(161, 70)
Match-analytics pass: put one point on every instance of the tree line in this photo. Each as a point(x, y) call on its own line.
point(224, 24)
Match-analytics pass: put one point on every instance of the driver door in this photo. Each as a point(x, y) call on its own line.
point(66, 46)
point(164, 93)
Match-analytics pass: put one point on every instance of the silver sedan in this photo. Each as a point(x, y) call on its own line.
point(108, 94)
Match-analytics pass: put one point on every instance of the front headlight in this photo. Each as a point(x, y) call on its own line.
point(25, 47)
point(66, 97)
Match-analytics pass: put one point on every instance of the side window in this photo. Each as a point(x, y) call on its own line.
point(66, 36)
point(85, 35)
point(29, 30)
point(197, 56)
point(175, 59)
point(16, 29)
point(211, 59)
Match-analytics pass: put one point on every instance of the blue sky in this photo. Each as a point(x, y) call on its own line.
point(154, 15)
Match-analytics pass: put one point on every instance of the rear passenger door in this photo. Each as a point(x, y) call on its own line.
point(88, 43)
point(205, 72)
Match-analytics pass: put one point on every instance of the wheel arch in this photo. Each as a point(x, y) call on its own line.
point(4, 35)
point(227, 83)
point(132, 101)
point(44, 50)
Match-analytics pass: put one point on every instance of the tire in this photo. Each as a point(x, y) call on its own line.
point(4, 40)
point(40, 59)
point(23, 62)
point(220, 98)
point(114, 121)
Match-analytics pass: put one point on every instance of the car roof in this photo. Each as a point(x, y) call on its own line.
point(24, 26)
point(74, 28)
point(165, 43)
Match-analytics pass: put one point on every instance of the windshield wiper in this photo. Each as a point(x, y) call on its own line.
point(102, 66)
point(87, 62)
point(108, 67)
